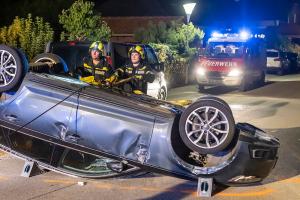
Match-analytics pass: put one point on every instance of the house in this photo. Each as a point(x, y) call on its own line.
point(125, 17)
point(123, 27)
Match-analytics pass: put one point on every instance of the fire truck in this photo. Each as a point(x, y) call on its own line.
point(237, 60)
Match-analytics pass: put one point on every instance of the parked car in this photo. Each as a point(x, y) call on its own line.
point(71, 55)
point(66, 125)
point(232, 60)
point(293, 60)
point(281, 62)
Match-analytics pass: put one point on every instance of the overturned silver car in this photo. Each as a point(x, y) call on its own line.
point(68, 126)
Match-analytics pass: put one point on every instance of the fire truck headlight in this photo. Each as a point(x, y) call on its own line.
point(235, 72)
point(201, 71)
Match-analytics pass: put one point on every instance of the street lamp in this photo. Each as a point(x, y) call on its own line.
point(188, 8)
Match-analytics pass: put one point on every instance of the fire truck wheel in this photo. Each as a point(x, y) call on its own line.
point(261, 81)
point(244, 85)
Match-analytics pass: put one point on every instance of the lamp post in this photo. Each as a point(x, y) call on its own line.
point(188, 8)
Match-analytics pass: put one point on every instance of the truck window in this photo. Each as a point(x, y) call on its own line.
point(67, 53)
point(83, 51)
point(120, 55)
point(225, 49)
point(151, 57)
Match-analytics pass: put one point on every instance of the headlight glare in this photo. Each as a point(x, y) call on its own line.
point(201, 71)
point(235, 72)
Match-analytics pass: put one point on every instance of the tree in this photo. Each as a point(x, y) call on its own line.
point(275, 40)
point(80, 23)
point(178, 36)
point(29, 34)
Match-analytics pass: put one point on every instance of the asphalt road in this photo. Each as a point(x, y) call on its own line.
point(274, 107)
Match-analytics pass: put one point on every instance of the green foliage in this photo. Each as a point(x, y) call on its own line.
point(175, 44)
point(163, 51)
point(80, 23)
point(285, 44)
point(275, 40)
point(29, 34)
point(179, 37)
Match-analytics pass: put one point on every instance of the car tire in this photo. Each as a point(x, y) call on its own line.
point(213, 98)
point(207, 126)
point(11, 68)
point(261, 80)
point(58, 65)
point(162, 93)
point(24, 60)
point(280, 72)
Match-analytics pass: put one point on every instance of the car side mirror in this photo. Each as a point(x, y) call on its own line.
point(158, 67)
point(161, 67)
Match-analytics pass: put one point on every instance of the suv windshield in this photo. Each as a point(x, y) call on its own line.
point(225, 49)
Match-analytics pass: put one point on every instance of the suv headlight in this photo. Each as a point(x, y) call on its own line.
point(201, 71)
point(235, 72)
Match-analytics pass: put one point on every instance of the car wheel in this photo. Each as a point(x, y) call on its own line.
point(213, 98)
point(55, 63)
point(11, 68)
point(280, 72)
point(24, 59)
point(162, 94)
point(207, 126)
point(201, 88)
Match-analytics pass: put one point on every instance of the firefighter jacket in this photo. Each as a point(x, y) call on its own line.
point(100, 72)
point(141, 74)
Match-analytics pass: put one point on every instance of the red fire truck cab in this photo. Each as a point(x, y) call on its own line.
point(232, 60)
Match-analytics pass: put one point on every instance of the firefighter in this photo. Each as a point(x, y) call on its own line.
point(96, 69)
point(140, 73)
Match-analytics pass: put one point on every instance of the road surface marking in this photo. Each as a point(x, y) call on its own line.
point(3, 178)
point(106, 186)
point(246, 194)
point(292, 180)
point(2, 153)
point(59, 181)
point(191, 192)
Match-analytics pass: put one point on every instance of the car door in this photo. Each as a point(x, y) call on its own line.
point(113, 124)
point(45, 104)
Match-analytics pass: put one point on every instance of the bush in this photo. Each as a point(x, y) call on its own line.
point(80, 23)
point(28, 34)
point(175, 66)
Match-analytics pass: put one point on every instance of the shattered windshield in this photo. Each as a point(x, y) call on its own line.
point(225, 49)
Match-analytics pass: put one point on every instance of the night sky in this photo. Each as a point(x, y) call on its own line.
point(207, 12)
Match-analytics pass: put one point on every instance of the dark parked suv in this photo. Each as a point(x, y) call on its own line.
point(71, 54)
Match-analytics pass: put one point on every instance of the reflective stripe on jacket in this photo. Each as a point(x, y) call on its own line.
point(142, 73)
point(101, 71)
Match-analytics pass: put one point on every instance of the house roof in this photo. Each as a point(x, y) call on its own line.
point(292, 30)
point(128, 25)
